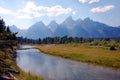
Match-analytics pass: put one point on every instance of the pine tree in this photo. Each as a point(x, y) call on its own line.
point(2, 25)
point(8, 29)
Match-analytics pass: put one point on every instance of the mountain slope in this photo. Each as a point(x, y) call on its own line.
point(98, 30)
point(38, 30)
point(14, 29)
point(61, 31)
point(53, 26)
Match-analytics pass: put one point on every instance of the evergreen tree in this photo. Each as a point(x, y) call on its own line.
point(39, 41)
point(2, 25)
point(8, 29)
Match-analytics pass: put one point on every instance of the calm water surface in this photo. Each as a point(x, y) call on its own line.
point(53, 68)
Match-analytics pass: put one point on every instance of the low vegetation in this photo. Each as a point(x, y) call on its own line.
point(84, 53)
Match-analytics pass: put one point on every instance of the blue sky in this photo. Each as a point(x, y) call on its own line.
point(24, 13)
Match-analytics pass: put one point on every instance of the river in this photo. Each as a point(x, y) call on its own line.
point(32, 60)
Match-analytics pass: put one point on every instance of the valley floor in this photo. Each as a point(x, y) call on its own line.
point(94, 55)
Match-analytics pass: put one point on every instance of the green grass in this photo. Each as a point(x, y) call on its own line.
point(93, 55)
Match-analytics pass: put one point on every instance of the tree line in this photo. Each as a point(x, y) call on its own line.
point(63, 40)
point(52, 40)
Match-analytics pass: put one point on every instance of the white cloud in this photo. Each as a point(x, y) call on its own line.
point(83, 1)
point(93, 1)
point(31, 11)
point(102, 9)
point(89, 1)
point(5, 11)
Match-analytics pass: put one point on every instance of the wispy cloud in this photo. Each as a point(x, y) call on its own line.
point(102, 9)
point(32, 11)
point(89, 1)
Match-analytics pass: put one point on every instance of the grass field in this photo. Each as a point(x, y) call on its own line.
point(93, 55)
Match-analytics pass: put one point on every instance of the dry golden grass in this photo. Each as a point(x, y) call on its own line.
point(92, 55)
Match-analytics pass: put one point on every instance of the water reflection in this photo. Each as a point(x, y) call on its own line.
point(54, 68)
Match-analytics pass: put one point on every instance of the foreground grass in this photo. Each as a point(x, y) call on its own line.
point(94, 55)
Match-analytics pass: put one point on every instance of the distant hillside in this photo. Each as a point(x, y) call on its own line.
point(80, 28)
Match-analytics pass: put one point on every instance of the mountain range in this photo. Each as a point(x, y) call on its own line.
point(86, 28)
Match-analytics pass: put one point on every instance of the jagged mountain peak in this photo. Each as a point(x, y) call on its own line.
point(69, 22)
point(53, 25)
point(14, 28)
point(87, 19)
point(40, 23)
point(37, 25)
point(53, 22)
point(69, 19)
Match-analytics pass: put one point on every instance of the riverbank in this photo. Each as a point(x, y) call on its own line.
point(26, 76)
point(9, 68)
point(87, 54)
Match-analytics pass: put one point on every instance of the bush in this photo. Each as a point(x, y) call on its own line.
point(112, 48)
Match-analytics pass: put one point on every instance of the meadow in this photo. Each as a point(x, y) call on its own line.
point(89, 54)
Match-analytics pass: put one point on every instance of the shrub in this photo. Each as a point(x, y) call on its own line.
point(112, 48)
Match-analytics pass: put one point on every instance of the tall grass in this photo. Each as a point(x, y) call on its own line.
point(94, 55)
